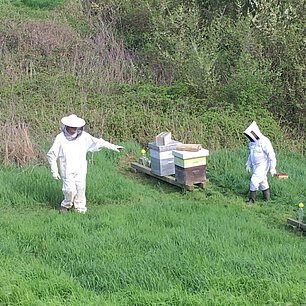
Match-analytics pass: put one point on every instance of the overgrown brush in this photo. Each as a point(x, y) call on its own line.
point(205, 44)
point(16, 143)
point(136, 113)
point(220, 70)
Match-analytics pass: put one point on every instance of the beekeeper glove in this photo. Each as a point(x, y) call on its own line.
point(112, 147)
point(272, 171)
point(56, 176)
point(248, 168)
point(117, 148)
point(101, 143)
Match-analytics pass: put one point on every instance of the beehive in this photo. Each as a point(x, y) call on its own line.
point(190, 167)
point(162, 159)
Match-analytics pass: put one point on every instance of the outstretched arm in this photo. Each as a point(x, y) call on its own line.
point(96, 144)
point(105, 144)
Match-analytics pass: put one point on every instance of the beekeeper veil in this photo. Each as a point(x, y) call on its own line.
point(75, 122)
point(252, 132)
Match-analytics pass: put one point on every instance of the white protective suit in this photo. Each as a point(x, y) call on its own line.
point(73, 165)
point(261, 158)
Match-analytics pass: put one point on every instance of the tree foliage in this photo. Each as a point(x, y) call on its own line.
point(225, 50)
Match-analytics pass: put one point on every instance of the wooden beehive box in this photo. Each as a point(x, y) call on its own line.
point(190, 176)
point(190, 167)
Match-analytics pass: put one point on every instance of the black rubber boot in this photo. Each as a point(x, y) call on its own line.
point(63, 209)
point(252, 197)
point(266, 194)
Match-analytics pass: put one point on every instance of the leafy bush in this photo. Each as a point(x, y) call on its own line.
point(131, 78)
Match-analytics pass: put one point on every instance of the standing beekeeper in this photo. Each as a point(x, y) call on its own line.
point(261, 160)
point(70, 148)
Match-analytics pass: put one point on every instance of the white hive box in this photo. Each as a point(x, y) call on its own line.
point(163, 139)
point(162, 159)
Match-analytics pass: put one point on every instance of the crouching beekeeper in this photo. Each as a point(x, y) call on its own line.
point(70, 148)
point(261, 160)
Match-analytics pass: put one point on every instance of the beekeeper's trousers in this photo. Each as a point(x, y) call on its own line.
point(259, 178)
point(74, 186)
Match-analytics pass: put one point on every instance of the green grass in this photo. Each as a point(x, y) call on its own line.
point(21, 11)
point(14, 13)
point(144, 242)
point(35, 4)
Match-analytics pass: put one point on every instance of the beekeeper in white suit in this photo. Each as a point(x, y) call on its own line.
point(70, 148)
point(261, 160)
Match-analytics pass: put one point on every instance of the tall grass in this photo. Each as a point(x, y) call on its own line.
point(142, 242)
point(228, 172)
point(146, 243)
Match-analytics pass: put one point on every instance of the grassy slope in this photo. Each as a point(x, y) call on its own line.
point(143, 242)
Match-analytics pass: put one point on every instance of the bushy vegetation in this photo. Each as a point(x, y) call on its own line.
point(135, 69)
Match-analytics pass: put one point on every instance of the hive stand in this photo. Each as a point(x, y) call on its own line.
point(296, 224)
point(136, 167)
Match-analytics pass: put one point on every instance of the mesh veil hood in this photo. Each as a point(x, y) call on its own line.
point(75, 122)
point(74, 136)
point(253, 132)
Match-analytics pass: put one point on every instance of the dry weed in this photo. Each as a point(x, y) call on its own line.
point(16, 145)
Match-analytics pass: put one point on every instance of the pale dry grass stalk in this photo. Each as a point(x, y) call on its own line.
point(100, 58)
point(103, 58)
point(46, 36)
point(27, 48)
point(16, 144)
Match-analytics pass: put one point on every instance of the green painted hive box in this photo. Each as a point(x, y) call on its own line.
point(187, 159)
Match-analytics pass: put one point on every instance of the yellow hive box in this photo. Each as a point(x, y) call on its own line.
point(188, 159)
point(191, 162)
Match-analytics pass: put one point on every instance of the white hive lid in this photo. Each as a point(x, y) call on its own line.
point(189, 154)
